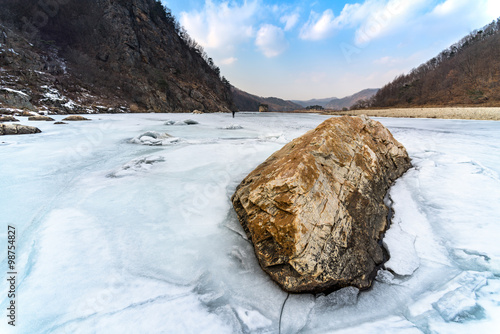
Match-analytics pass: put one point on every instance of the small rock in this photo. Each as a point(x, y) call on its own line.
point(8, 119)
point(153, 138)
point(17, 129)
point(60, 123)
point(190, 122)
point(76, 118)
point(41, 118)
point(197, 112)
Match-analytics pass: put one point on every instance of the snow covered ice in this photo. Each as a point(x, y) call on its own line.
point(116, 237)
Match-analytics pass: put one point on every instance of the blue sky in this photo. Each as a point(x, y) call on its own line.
point(318, 49)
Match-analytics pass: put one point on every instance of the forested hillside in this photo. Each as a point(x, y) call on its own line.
point(466, 73)
point(131, 54)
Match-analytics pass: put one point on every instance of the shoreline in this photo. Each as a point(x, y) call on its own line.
point(468, 113)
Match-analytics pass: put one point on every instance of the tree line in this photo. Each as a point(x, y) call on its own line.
point(468, 72)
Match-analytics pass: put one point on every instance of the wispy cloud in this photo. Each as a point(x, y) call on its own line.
point(229, 61)
point(290, 20)
point(271, 40)
point(371, 19)
point(374, 19)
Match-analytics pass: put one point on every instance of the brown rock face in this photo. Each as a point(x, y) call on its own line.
point(76, 118)
point(41, 118)
point(314, 210)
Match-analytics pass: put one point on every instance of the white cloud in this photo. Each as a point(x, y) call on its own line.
point(448, 7)
point(223, 25)
point(479, 9)
point(229, 61)
point(271, 40)
point(290, 20)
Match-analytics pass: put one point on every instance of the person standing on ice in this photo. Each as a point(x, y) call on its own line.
point(234, 112)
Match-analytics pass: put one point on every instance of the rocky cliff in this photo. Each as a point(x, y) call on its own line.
point(315, 211)
point(104, 56)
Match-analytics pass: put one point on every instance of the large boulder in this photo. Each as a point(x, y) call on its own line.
point(17, 129)
point(41, 118)
point(315, 210)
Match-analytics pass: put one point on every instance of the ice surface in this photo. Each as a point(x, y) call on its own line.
point(116, 237)
point(401, 247)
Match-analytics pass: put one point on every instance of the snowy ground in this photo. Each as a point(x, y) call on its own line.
point(120, 237)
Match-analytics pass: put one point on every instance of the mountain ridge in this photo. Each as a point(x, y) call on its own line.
point(249, 102)
point(339, 103)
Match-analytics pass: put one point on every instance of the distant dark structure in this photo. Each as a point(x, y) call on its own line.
point(264, 108)
point(315, 107)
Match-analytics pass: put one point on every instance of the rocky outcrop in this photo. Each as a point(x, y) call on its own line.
point(76, 118)
point(17, 129)
point(105, 56)
point(314, 210)
point(14, 98)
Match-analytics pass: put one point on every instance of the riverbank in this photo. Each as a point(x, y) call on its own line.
point(490, 114)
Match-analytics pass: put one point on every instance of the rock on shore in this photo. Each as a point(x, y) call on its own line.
point(314, 210)
point(17, 129)
point(76, 118)
point(41, 118)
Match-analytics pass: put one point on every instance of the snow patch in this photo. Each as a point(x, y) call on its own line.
point(153, 138)
point(185, 122)
point(14, 91)
point(232, 127)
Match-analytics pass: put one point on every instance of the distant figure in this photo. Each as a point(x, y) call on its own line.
point(234, 112)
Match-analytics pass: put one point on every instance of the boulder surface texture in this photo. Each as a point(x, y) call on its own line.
point(315, 210)
point(17, 129)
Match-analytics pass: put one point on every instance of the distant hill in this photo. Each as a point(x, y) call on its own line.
point(248, 102)
point(348, 101)
point(466, 73)
point(338, 104)
point(315, 102)
point(120, 55)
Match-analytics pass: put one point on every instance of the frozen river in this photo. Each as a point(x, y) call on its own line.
point(119, 237)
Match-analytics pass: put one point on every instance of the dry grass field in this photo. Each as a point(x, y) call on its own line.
point(490, 114)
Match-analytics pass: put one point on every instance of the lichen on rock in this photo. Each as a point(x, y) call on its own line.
point(314, 210)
